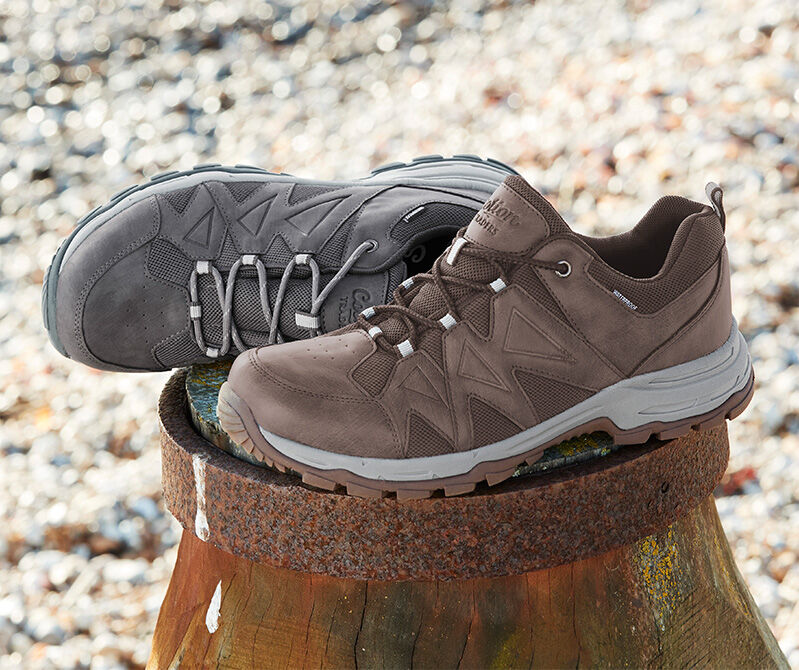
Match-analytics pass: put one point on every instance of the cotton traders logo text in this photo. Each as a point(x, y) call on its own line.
point(497, 209)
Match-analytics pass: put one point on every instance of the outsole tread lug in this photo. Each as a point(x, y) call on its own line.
point(429, 158)
point(459, 489)
point(161, 176)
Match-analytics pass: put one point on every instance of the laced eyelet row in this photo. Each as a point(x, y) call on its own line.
point(310, 320)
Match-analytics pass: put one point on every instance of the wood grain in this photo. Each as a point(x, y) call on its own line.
point(673, 599)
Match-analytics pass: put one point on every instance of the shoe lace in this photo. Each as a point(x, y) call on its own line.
point(225, 290)
point(415, 323)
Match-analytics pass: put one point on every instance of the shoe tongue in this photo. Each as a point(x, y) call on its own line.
point(514, 219)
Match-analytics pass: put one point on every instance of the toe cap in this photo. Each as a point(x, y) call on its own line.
point(109, 313)
point(303, 391)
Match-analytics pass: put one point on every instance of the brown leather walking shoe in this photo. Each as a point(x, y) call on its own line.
point(524, 334)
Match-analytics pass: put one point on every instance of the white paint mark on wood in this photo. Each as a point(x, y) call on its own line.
point(201, 528)
point(212, 615)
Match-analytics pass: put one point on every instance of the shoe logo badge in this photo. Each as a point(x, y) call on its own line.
point(350, 306)
point(625, 299)
point(497, 209)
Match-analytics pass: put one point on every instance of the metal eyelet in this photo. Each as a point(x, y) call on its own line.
point(565, 272)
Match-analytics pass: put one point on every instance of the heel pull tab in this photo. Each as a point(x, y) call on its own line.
point(716, 197)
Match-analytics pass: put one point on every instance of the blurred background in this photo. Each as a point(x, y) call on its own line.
point(604, 105)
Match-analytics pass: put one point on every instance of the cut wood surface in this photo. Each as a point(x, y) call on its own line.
point(670, 600)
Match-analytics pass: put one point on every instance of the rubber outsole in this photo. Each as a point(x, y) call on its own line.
point(50, 282)
point(238, 421)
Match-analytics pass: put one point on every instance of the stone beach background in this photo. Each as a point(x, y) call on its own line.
point(603, 105)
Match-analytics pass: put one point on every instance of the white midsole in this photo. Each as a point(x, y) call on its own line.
point(689, 389)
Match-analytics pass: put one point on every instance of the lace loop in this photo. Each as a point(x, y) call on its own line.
point(225, 290)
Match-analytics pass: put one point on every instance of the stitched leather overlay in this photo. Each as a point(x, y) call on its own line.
point(418, 382)
point(524, 337)
point(308, 219)
point(200, 232)
point(253, 219)
point(473, 366)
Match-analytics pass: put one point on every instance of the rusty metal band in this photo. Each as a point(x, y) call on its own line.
point(533, 521)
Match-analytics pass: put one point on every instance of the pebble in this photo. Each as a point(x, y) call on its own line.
point(603, 105)
point(132, 571)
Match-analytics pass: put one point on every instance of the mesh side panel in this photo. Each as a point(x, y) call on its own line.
point(429, 300)
point(373, 372)
point(478, 314)
point(523, 189)
point(279, 253)
point(211, 320)
point(241, 190)
point(549, 396)
point(396, 274)
point(254, 338)
point(394, 330)
point(247, 312)
point(488, 424)
point(179, 199)
point(296, 299)
point(228, 255)
point(178, 350)
point(435, 216)
point(332, 252)
point(425, 440)
point(166, 261)
point(695, 250)
point(527, 277)
point(302, 192)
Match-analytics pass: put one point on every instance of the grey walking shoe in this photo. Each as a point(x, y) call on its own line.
point(198, 265)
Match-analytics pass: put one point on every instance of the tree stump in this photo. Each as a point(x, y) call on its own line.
point(594, 557)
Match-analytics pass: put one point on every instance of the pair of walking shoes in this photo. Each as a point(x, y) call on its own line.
point(451, 360)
